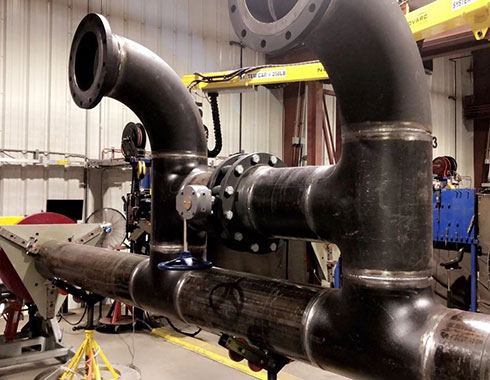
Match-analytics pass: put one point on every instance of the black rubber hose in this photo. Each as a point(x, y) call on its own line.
point(218, 139)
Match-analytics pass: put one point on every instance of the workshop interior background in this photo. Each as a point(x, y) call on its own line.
point(37, 112)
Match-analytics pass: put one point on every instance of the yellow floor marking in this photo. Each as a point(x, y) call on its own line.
point(216, 353)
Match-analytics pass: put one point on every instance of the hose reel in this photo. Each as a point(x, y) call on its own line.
point(133, 141)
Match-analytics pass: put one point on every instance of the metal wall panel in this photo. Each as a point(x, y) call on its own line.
point(449, 83)
point(36, 110)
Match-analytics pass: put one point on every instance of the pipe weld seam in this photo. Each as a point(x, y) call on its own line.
point(388, 281)
point(387, 133)
point(178, 155)
point(166, 248)
point(176, 297)
point(428, 342)
point(306, 336)
point(131, 284)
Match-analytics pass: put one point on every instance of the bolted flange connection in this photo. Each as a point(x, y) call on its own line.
point(225, 185)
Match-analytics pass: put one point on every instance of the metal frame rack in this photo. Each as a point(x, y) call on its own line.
point(454, 225)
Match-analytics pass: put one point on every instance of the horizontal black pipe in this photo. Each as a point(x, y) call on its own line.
point(375, 202)
point(329, 328)
point(105, 64)
point(103, 271)
point(269, 313)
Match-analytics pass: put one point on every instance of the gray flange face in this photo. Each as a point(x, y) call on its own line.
point(262, 29)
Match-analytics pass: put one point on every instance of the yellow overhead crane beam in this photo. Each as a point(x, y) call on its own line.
point(435, 18)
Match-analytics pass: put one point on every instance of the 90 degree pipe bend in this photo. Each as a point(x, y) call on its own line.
point(105, 64)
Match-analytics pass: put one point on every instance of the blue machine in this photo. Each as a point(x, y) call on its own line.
point(454, 212)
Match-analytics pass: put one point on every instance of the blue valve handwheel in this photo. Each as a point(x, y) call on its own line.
point(185, 262)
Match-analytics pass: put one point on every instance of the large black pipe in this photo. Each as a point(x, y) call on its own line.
point(377, 200)
point(366, 332)
point(104, 64)
point(270, 313)
point(384, 323)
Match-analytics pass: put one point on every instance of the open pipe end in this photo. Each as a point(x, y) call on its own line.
point(276, 25)
point(94, 61)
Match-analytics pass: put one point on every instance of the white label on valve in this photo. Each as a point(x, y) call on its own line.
point(457, 4)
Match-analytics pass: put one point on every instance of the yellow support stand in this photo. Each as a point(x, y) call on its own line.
point(89, 349)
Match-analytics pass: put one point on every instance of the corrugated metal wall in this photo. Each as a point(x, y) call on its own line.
point(36, 110)
point(450, 82)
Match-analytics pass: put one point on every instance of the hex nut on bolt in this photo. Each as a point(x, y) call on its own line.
point(273, 247)
point(229, 191)
point(238, 236)
point(254, 247)
point(255, 159)
point(229, 215)
point(273, 160)
point(239, 170)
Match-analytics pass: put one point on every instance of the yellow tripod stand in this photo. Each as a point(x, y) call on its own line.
point(90, 350)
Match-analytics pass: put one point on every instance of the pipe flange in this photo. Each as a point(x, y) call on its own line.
point(221, 170)
point(234, 233)
point(214, 184)
point(274, 25)
point(93, 66)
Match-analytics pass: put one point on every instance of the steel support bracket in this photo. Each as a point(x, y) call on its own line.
point(478, 20)
point(84, 239)
point(31, 246)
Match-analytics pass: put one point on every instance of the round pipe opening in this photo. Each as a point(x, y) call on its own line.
point(86, 61)
point(271, 10)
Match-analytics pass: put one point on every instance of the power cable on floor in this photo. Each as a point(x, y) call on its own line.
point(192, 335)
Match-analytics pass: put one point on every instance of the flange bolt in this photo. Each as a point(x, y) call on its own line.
point(239, 170)
point(229, 190)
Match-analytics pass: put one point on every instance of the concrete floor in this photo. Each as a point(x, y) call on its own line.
point(157, 359)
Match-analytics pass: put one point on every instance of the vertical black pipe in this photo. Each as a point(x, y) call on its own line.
point(104, 64)
point(376, 203)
